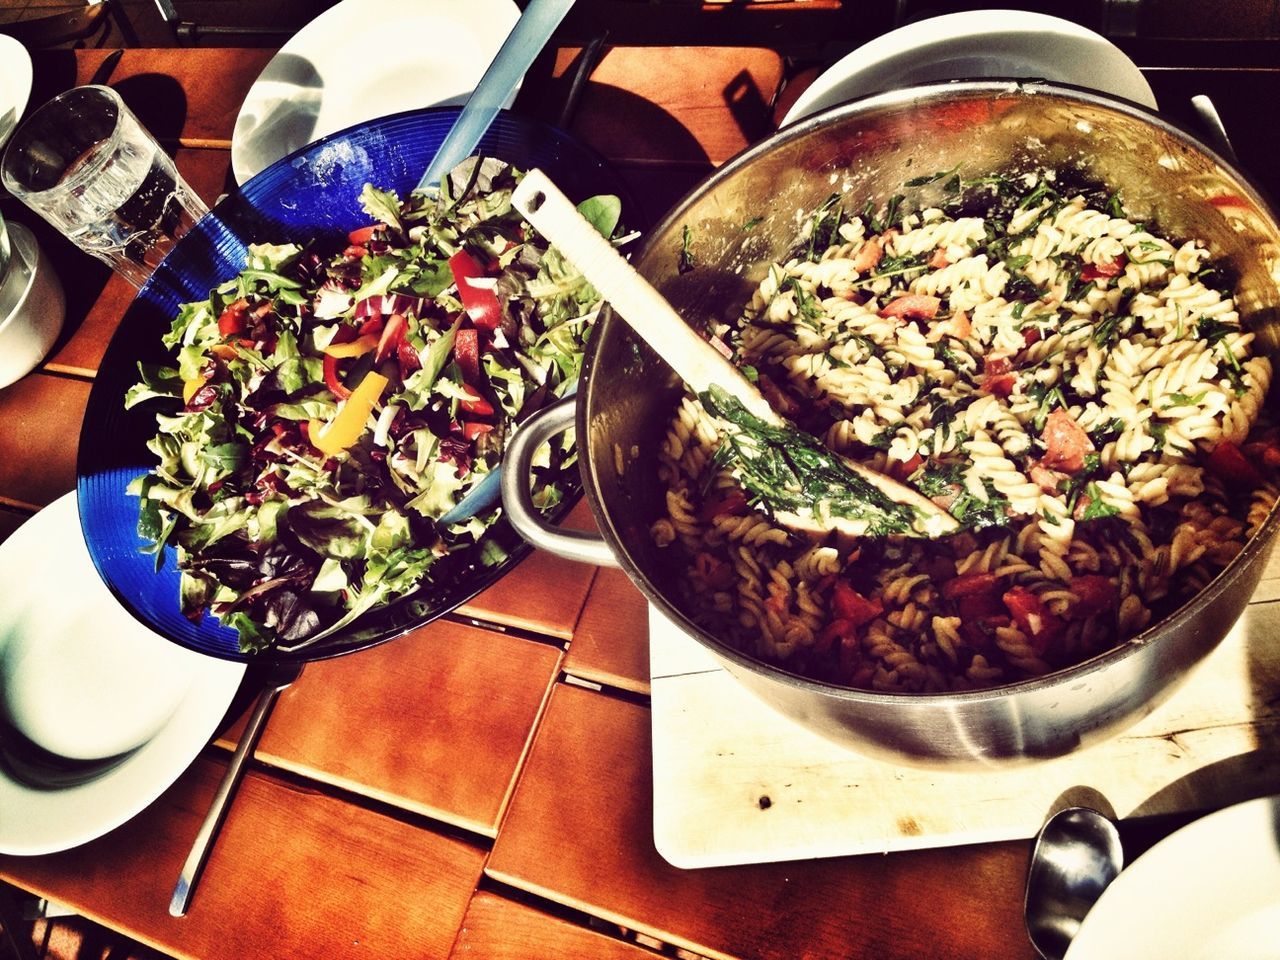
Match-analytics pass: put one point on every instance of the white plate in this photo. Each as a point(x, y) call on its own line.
point(363, 59)
point(15, 84)
point(50, 580)
point(1207, 891)
point(972, 45)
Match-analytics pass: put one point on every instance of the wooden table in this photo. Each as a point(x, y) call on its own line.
point(482, 787)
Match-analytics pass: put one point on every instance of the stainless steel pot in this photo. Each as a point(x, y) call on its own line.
point(871, 147)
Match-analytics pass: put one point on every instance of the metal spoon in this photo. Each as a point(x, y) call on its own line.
point(1076, 856)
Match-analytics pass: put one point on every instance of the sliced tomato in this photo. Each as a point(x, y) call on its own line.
point(1096, 271)
point(939, 259)
point(900, 470)
point(848, 604)
point(466, 350)
point(1001, 386)
point(732, 502)
point(1228, 463)
point(996, 365)
point(843, 632)
point(1094, 594)
point(713, 571)
point(912, 306)
point(998, 377)
point(868, 255)
point(1065, 442)
point(1031, 615)
point(391, 337)
point(971, 585)
point(234, 318)
point(480, 302)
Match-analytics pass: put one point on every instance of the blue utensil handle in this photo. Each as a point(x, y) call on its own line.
point(518, 51)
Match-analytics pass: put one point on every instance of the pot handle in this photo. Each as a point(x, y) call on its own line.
point(517, 498)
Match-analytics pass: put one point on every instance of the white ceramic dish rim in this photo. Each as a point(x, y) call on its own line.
point(328, 45)
point(35, 822)
point(1021, 41)
point(1201, 892)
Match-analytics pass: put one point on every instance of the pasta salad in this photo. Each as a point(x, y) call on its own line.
point(1076, 389)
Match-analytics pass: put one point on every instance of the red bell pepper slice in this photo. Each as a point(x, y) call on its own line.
point(472, 430)
point(363, 235)
point(466, 350)
point(392, 336)
point(332, 380)
point(480, 302)
point(732, 502)
point(475, 403)
point(233, 318)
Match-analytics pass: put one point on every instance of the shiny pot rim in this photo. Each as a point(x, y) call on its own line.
point(1064, 677)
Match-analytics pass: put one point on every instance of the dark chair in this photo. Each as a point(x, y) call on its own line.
point(188, 33)
point(98, 23)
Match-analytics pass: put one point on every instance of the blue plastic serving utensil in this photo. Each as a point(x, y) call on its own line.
point(523, 44)
point(526, 40)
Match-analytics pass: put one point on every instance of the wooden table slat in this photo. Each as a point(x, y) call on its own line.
point(611, 644)
point(39, 431)
point(436, 722)
point(587, 777)
point(496, 928)
point(295, 873)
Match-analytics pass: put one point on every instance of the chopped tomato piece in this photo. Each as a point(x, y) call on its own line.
point(843, 631)
point(1094, 594)
point(914, 306)
point(1031, 615)
point(1265, 452)
point(355, 251)
point(466, 350)
point(1096, 271)
point(957, 325)
point(480, 302)
point(1030, 335)
point(713, 571)
point(732, 502)
point(900, 470)
point(971, 585)
point(996, 365)
point(1228, 463)
point(939, 259)
point(868, 255)
point(1001, 386)
point(407, 358)
point(848, 604)
point(1047, 480)
point(1065, 442)
point(233, 318)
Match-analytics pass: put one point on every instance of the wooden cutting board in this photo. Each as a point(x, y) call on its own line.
point(735, 782)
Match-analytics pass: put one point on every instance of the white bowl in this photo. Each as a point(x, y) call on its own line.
point(32, 307)
point(79, 677)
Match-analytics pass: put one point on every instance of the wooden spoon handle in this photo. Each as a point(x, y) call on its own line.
point(647, 312)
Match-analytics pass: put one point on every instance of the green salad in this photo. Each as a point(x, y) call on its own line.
point(333, 405)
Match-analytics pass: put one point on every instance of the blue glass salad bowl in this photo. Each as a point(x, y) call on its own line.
point(311, 194)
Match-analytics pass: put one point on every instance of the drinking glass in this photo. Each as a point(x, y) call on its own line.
point(84, 163)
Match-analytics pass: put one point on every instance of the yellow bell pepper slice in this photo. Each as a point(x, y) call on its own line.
point(349, 422)
point(190, 388)
point(355, 348)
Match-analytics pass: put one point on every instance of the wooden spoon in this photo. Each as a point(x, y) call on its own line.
point(709, 374)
